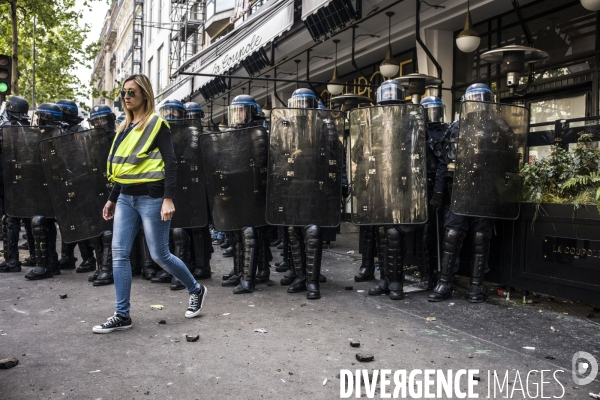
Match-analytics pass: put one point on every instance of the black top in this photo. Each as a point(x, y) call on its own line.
point(162, 188)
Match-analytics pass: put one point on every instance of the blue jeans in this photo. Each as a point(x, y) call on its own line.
point(130, 213)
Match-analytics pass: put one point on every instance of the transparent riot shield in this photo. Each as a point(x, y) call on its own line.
point(75, 169)
point(305, 167)
point(491, 152)
point(25, 190)
point(235, 162)
point(191, 210)
point(387, 165)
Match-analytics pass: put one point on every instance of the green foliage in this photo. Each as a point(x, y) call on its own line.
point(59, 48)
point(565, 176)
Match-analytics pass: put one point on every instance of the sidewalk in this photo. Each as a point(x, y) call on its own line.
point(306, 343)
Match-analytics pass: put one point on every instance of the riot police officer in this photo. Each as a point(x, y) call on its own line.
point(392, 238)
point(427, 235)
point(47, 116)
point(457, 226)
point(72, 123)
point(172, 109)
point(193, 246)
point(308, 151)
point(14, 114)
point(101, 116)
point(251, 252)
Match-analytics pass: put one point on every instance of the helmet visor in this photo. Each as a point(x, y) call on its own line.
point(169, 112)
point(44, 118)
point(104, 121)
point(435, 113)
point(303, 102)
point(389, 92)
point(479, 95)
point(239, 114)
point(194, 114)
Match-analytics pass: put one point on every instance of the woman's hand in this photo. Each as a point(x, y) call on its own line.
point(108, 212)
point(167, 210)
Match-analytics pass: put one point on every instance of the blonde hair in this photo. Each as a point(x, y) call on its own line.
point(144, 83)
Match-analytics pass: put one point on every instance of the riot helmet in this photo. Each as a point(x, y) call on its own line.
point(244, 110)
point(102, 116)
point(121, 118)
point(434, 108)
point(303, 98)
point(321, 106)
point(70, 111)
point(390, 92)
point(478, 92)
point(172, 109)
point(48, 114)
point(193, 110)
point(15, 109)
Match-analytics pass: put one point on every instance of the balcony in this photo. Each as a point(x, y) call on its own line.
point(218, 14)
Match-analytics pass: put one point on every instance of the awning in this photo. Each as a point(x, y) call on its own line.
point(310, 7)
point(247, 41)
point(182, 91)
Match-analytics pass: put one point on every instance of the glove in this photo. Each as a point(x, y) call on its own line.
point(437, 199)
point(345, 191)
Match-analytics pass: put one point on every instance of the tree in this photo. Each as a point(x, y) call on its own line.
point(59, 48)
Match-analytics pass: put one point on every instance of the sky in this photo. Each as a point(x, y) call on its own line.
point(96, 20)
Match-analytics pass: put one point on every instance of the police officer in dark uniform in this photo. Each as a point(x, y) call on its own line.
point(72, 122)
point(251, 251)
point(457, 226)
point(14, 113)
point(101, 116)
point(193, 246)
point(427, 234)
point(44, 229)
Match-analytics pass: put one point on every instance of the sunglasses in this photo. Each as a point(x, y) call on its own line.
point(130, 92)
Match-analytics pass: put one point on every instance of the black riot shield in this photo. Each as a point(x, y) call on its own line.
point(388, 171)
point(191, 210)
point(25, 190)
point(305, 167)
point(491, 152)
point(75, 169)
point(235, 162)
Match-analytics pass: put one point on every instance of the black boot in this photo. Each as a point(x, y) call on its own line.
point(67, 257)
point(87, 253)
point(105, 277)
point(149, 269)
point(396, 248)
point(202, 249)
point(264, 268)
point(366, 272)
point(453, 240)
point(284, 265)
point(162, 276)
point(250, 261)
point(233, 278)
point(5, 240)
point(181, 241)
point(42, 269)
point(313, 235)
point(299, 262)
point(97, 241)
point(382, 286)
point(426, 242)
point(477, 292)
point(11, 228)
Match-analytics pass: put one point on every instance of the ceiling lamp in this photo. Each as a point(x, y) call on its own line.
point(389, 67)
point(267, 106)
point(592, 5)
point(335, 85)
point(468, 40)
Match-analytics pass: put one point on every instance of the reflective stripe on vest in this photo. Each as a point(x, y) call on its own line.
point(132, 162)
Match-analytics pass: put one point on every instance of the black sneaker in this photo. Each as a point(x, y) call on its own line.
point(196, 303)
point(114, 323)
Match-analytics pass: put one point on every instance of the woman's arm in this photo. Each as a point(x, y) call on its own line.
point(165, 145)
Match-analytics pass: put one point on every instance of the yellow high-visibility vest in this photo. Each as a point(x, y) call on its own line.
point(132, 162)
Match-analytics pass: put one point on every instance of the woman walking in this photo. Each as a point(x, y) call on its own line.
point(143, 166)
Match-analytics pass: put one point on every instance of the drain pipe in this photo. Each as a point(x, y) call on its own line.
point(353, 47)
point(275, 89)
point(418, 37)
point(308, 76)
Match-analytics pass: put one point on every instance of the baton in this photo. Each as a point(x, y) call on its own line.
point(437, 235)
